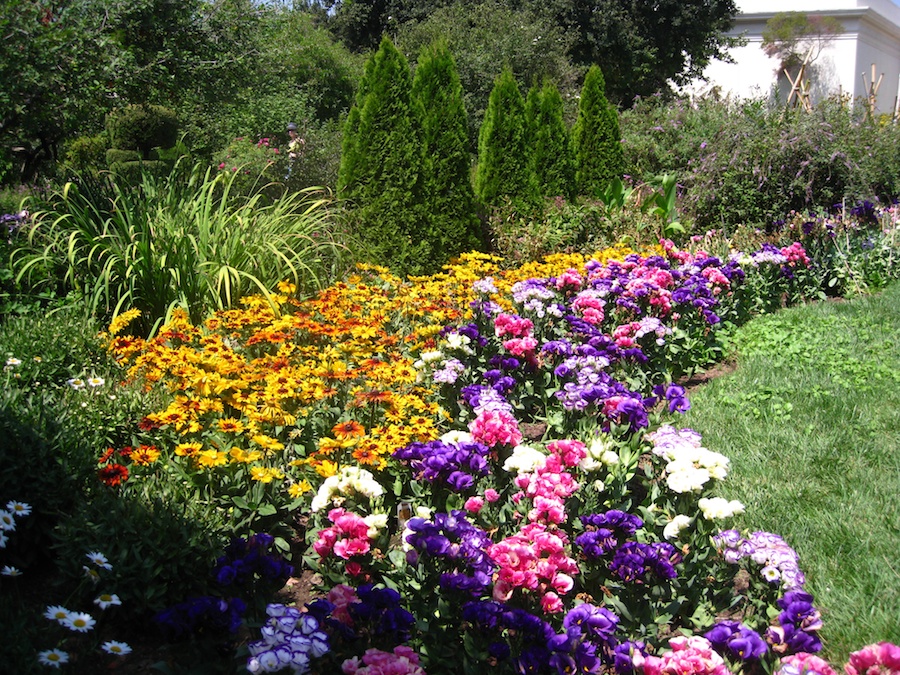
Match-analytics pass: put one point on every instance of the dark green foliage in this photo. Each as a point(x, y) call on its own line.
point(86, 154)
point(142, 127)
point(450, 200)
point(551, 147)
point(484, 33)
point(382, 168)
point(504, 169)
point(596, 138)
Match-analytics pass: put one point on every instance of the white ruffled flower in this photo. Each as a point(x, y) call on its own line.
point(524, 459)
point(718, 508)
point(350, 481)
point(456, 437)
point(376, 523)
point(675, 526)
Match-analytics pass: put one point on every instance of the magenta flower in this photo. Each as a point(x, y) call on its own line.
point(688, 656)
point(882, 658)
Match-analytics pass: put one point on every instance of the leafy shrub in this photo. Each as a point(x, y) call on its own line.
point(86, 154)
point(142, 127)
point(258, 167)
point(550, 145)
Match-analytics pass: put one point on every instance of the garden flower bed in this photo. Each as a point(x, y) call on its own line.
point(483, 469)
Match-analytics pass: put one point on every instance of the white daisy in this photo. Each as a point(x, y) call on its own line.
point(53, 657)
point(99, 560)
point(96, 381)
point(56, 613)
point(3, 539)
point(18, 508)
point(10, 571)
point(13, 361)
point(107, 600)
point(117, 648)
point(76, 383)
point(80, 622)
point(7, 522)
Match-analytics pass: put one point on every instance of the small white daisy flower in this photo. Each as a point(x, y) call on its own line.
point(3, 539)
point(96, 381)
point(53, 657)
point(10, 571)
point(7, 521)
point(76, 383)
point(13, 361)
point(56, 613)
point(91, 574)
point(79, 622)
point(99, 560)
point(117, 648)
point(107, 600)
point(18, 508)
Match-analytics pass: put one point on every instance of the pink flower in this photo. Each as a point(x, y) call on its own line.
point(222, 165)
point(491, 495)
point(342, 596)
point(495, 427)
point(474, 504)
point(551, 603)
point(808, 662)
point(688, 656)
point(875, 659)
point(402, 661)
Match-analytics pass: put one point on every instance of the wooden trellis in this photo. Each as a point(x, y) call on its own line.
point(800, 87)
point(872, 92)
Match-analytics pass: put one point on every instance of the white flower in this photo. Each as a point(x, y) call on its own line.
point(91, 574)
point(117, 648)
point(96, 381)
point(18, 508)
point(675, 526)
point(717, 508)
point(13, 361)
point(350, 481)
point(10, 571)
point(4, 540)
point(524, 459)
point(76, 383)
point(53, 657)
point(56, 613)
point(79, 622)
point(686, 478)
point(428, 357)
point(107, 600)
point(7, 521)
point(456, 437)
point(423, 512)
point(459, 341)
point(376, 523)
point(99, 560)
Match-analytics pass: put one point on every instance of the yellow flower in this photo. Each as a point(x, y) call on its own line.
point(244, 457)
point(231, 426)
point(268, 442)
point(297, 489)
point(187, 449)
point(211, 458)
point(145, 455)
point(265, 474)
point(326, 468)
point(122, 320)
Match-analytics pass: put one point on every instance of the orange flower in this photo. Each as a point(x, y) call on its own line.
point(113, 475)
point(348, 429)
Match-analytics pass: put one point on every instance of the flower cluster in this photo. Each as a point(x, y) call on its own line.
point(549, 484)
point(456, 464)
point(779, 563)
point(798, 625)
point(348, 537)
point(247, 559)
point(689, 466)
point(882, 658)
point(736, 640)
point(350, 481)
point(687, 656)
point(452, 538)
point(290, 639)
point(401, 661)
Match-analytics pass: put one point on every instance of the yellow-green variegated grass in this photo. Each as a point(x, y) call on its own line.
point(178, 241)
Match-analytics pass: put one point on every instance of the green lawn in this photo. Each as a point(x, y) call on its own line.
point(811, 422)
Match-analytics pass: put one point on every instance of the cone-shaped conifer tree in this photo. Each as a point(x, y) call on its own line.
point(449, 199)
point(596, 139)
point(551, 148)
point(382, 167)
point(503, 162)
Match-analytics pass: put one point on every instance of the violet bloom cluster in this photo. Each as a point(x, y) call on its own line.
point(379, 613)
point(736, 640)
point(779, 562)
point(606, 531)
point(213, 615)
point(452, 538)
point(798, 625)
point(457, 465)
point(639, 563)
point(245, 559)
point(290, 639)
point(535, 296)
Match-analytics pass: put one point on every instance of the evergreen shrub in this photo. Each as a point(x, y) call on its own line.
point(596, 138)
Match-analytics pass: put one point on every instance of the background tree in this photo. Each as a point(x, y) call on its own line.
point(550, 143)
point(481, 35)
point(793, 37)
point(596, 138)
point(504, 169)
point(449, 199)
point(383, 166)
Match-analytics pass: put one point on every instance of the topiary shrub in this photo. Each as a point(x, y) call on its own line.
point(504, 169)
point(86, 154)
point(596, 138)
point(142, 127)
point(550, 144)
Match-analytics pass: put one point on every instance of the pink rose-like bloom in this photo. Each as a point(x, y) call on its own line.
point(688, 656)
point(474, 504)
point(402, 661)
point(342, 596)
point(805, 663)
point(875, 659)
point(521, 346)
point(495, 427)
point(551, 603)
point(513, 326)
point(491, 495)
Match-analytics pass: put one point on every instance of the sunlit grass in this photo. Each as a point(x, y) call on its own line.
point(811, 422)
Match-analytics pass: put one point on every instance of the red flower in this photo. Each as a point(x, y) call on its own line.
point(113, 475)
point(105, 456)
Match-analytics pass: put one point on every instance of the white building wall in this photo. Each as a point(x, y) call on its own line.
point(871, 35)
